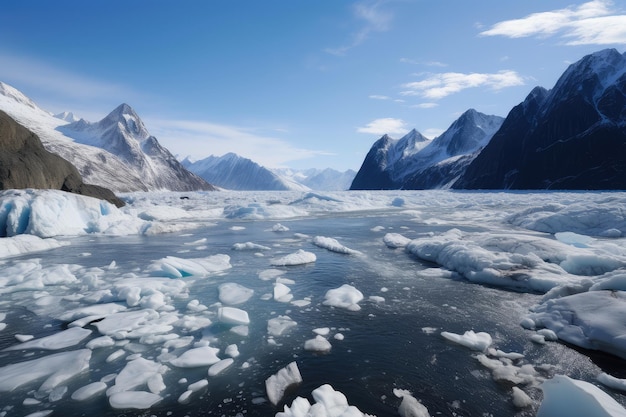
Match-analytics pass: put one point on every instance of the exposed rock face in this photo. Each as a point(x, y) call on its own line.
point(25, 163)
point(571, 137)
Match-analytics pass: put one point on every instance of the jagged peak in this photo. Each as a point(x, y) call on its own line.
point(68, 116)
point(125, 115)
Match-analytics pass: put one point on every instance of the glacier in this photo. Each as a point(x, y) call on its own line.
point(172, 305)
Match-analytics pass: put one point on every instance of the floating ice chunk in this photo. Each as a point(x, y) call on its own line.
point(278, 325)
point(377, 228)
point(174, 267)
point(250, 246)
point(219, 367)
point(591, 320)
point(197, 386)
point(115, 355)
point(339, 336)
point(56, 368)
point(184, 397)
point(300, 257)
point(410, 406)
point(89, 391)
point(196, 307)
point(61, 340)
point(24, 337)
point(322, 331)
point(23, 244)
point(612, 382)
point(345, 296)
point(232, 315)
point(139, 400)
point(318, 344)
point(377, 298)
point(43, 413)
point(232, 351)
point(563, 396)
point(476, 341)
point(121, 323)
point(329, 403)
point(200, 356)
point(136, 374)
point(503, 370)
point(279, 228)
point(520, 398)
point(232, 294)
point(101, 310)
point(333, 245)
point(270, 274)
point(282, 292)
point(277, 384)
point(395, 240)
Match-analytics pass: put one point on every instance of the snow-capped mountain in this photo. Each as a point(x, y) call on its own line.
point(320, 179)
point(414, 162)
point(571, 137)
point(117, 153)
point(68, 116)
point(235, 172)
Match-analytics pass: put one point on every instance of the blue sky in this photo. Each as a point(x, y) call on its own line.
point(295, 83)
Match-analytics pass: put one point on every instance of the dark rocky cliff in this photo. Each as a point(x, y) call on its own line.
point(25, 163)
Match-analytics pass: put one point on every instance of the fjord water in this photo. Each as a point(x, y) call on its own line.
point(388, 344)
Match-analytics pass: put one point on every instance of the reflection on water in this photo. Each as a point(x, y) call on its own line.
point(387, 345)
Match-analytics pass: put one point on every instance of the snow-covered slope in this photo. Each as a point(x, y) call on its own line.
point(414, 162)
point(319, 179)
point(234, 172)
point(116, 153)
point(571, 137)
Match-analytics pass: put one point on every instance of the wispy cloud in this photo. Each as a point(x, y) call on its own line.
point(438, 86)
point(387, 125)
point(371, 19)
point(30, 72)
point(379, 97)
point(200, 139)
point(426, 63)
point(425, 105)
point(592, 23)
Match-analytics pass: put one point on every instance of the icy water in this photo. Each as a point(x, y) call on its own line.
point(388, 344)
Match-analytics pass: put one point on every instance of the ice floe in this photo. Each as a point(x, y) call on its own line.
point(285, 378)
point(333, 245)
point(300, 257)
point(564, 396)
point(345, 296)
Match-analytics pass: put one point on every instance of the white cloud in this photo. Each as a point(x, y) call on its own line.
point(387, 125)
point(200, 139)
point(379, 97)
point(425, 105)
point(591, 23)
point(438, 86)
point(373, 20)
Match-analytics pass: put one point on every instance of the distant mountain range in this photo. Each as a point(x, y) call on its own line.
point(570, 137)
point(117, 152)
point(235, 172)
